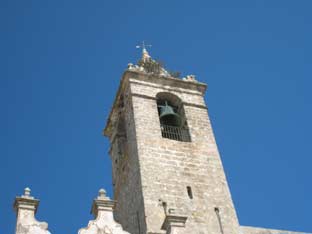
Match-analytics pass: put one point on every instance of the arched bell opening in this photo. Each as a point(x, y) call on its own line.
point(172, 118)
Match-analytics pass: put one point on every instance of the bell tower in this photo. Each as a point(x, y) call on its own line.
point(167, 172)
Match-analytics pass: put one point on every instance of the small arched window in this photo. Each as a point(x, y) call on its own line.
point(172, 119)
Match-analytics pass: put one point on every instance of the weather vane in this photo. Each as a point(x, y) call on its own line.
point(143, 46)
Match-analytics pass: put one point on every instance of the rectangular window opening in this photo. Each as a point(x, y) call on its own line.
point(189, 192)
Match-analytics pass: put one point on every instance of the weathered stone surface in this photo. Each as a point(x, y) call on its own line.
point(159, 169)
point(26, 207)
point(102, 209)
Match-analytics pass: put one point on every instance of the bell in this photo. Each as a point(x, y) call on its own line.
point(168, 116)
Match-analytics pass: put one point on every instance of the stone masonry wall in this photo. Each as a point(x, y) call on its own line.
point(129, 211)
point(168, 167)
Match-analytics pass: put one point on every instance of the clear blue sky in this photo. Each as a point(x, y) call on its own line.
point(61, 63)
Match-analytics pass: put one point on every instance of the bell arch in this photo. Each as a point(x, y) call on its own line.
point(173, 122)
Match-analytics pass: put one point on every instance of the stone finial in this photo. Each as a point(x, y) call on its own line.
point(102, 209)
point(102, 202)
point(102, 193)
point(145, 55)
point(191, 78)
point(27, 192)
point(26, 201)
point(130, 66)
point(25, 207)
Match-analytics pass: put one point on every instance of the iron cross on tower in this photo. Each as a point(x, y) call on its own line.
point(143, 46)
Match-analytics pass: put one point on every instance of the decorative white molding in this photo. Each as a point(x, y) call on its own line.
point(104, 223)
point(26, 207)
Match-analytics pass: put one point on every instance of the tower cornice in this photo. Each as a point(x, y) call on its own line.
point(170, 83)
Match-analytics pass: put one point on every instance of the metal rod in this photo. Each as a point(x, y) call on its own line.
point(219, 219)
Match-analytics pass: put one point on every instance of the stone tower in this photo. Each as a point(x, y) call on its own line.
point(167, 172)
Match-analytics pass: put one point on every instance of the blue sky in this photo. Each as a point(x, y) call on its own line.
point(61, 62)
